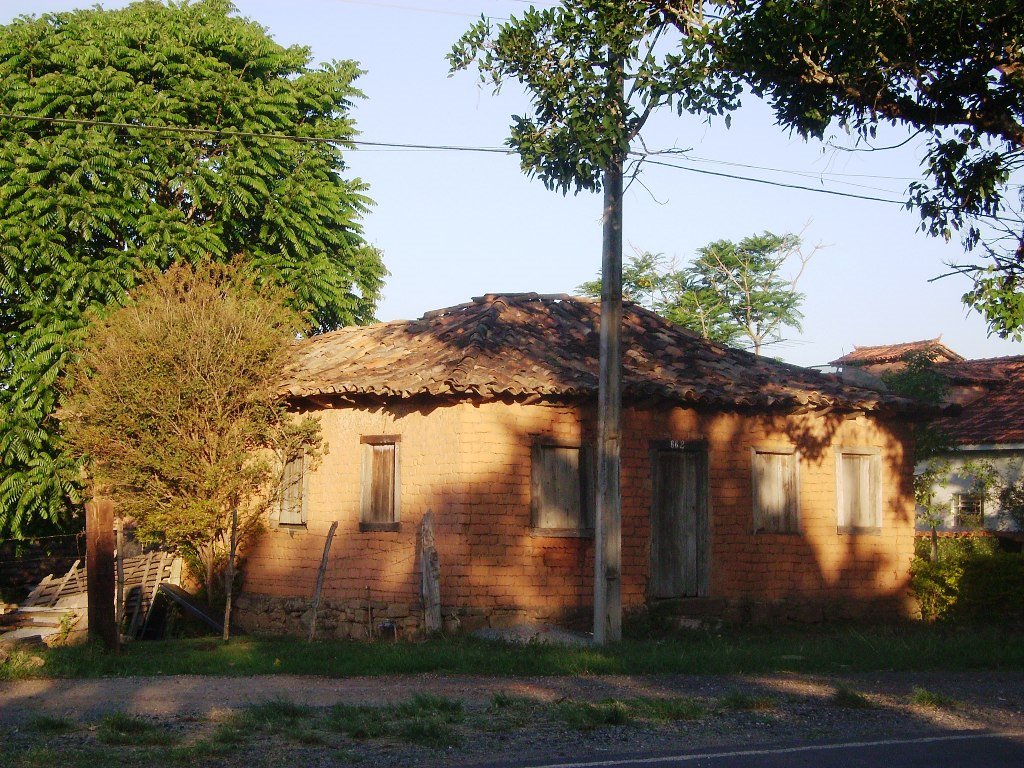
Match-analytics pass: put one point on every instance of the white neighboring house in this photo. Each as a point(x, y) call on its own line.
point(990, 426)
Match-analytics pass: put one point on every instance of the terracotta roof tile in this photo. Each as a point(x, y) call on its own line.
point(998, 415)
point(529, 344)
point(887, 353)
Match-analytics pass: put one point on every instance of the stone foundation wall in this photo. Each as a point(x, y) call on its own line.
point(370, 620)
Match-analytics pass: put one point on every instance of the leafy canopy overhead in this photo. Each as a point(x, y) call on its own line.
point(173, 406)
point(564, 56)
point(729, 293)
point(85, 208)
point(948, 69)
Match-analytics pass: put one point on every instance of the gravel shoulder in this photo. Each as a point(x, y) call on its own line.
point(802, 708)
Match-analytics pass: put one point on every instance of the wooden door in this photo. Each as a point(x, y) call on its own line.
point(679, 523)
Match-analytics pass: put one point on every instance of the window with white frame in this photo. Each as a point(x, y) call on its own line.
point(776, 490)
point(859, 489)
point(562, 485)
point(968, 510)
point(381, 487)
point(293, 493)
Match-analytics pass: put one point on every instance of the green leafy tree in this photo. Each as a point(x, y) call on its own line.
point(952, 71)
point(174, 408)
point(137, 138)
point(731, 291)
point(919, 379)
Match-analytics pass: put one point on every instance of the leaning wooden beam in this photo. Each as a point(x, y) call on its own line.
point(320, 579)
point(73, 571)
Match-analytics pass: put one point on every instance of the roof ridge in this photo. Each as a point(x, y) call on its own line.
point(493, 306)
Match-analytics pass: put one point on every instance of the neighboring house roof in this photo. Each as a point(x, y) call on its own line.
point(997, 416)
point(889, 353)
point(523, 345)
point(988, 370)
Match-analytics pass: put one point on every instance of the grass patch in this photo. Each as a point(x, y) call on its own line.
point(428, 732)
point(358, 722)
point(123, 729)
point(737, 701)
point(922, 697)
point(851, 699)
point(666, 710)
point(276, 715)
point(424, 719)
point(48, 757)
point(910, 647)
point(427, 705)
point(584, 716)
point(48, 725)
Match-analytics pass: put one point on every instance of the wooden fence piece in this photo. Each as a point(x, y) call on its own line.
point(320, 580)
point(430, 571)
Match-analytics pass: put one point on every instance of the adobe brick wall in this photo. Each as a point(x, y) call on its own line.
point(470, 464)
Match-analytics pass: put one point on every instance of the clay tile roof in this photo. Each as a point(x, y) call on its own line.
point(547, 345)
point(888, 353)
point(998, 415)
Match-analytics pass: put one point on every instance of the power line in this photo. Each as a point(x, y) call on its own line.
point(220, 133)
point(419, 9)
point(771, 183)
point(229, 134)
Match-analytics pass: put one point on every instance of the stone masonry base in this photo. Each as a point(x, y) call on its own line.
point(360, 619)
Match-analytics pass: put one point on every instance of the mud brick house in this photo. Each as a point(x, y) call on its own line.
point(751, 488)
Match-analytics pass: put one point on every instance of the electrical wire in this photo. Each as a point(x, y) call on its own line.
point(227, 134)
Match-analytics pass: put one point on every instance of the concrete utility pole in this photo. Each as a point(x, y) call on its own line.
point(608, 527)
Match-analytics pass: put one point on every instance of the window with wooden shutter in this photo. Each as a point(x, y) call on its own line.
point(859, 490)
point(293, 493)
point(563, 481)
point(380, 483)
point(776, 491)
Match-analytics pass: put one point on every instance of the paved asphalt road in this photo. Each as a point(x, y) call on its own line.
point(975, 750)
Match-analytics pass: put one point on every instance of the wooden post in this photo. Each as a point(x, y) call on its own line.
point(320, 580)
point(119, 553)
point(99, 559)
point(608, 528)
point(430, 576)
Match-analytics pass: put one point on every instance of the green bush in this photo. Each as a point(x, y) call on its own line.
point(971, 581)
point(957, 547)
point(992, 588)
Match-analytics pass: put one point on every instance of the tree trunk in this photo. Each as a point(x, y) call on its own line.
point(209, 573)
point(229, 575)
point(935, 546)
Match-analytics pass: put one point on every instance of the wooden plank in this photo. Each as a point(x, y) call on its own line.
point(72, 571)
point(430, 572)
point(679, 524)
point(382, 480)
point(40, 589)
point(320, 579)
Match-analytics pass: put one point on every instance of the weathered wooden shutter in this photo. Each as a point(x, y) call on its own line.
point(561, 487)
point(775, 491)
point(379, 498)
point(861, 491)
point(293, 497)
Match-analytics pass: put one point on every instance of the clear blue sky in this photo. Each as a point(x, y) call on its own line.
point(454, 225)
